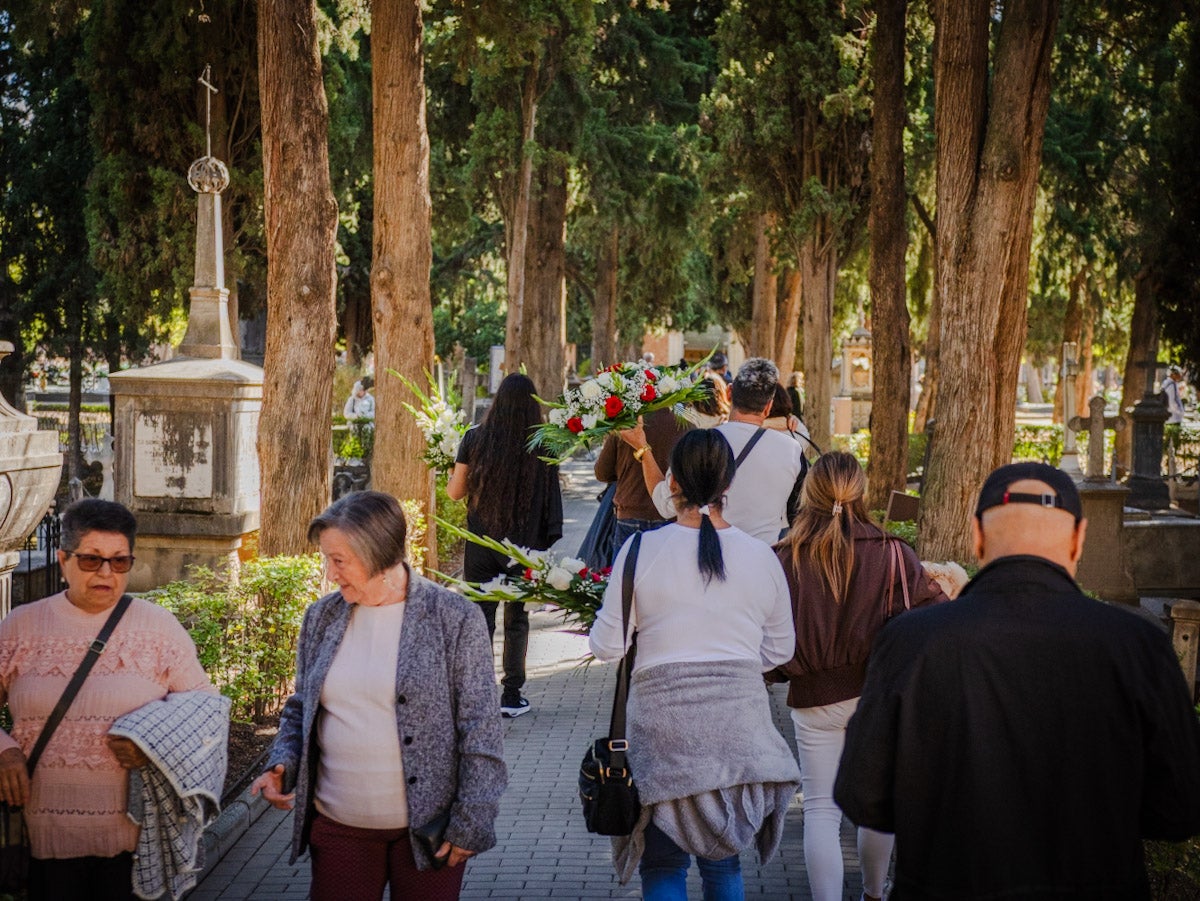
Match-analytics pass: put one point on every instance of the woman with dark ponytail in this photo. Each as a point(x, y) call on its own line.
point(846, 579)
point(512, 494)
point(711, 614)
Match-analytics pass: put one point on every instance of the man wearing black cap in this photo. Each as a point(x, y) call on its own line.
point(1022, 740)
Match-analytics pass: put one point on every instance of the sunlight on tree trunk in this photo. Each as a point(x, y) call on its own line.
point(544, 329)
point(301, 228)
point(818, 275)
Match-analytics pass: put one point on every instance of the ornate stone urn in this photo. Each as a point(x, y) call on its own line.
point(30, 466)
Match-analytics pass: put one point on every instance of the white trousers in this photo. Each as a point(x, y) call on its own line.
point(820, 735)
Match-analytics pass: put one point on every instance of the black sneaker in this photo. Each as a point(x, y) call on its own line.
point(510, 708)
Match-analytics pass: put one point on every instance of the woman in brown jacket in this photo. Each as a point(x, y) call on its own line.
point(846, 578)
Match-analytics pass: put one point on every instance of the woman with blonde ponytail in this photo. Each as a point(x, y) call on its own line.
point(712, 614)
point(846, 578)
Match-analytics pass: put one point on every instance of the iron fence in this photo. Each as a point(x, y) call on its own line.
point(38, 575)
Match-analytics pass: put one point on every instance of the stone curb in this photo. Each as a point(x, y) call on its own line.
point(232, 823)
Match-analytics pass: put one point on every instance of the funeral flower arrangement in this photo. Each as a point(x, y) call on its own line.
point(613, 400)
point(562, 582)
point(440, 420)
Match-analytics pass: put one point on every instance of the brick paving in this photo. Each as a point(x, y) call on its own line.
point(543, 851)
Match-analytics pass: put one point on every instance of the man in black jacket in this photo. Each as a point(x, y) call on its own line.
point(1022, 740)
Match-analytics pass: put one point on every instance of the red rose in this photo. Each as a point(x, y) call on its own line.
point(575, 424)
point(648, 394)
point(596, 577)
point(613, 406)
point(529, 574)
point(583, 572)
point(650, 376)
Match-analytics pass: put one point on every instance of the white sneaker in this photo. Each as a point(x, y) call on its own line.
point(510, 709)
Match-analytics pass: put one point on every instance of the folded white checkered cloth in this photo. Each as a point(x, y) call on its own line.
point(186, 737)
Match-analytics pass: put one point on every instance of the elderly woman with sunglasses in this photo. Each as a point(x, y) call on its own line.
point(75, 805)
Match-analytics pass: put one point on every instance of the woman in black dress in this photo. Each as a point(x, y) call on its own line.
point(510, 494)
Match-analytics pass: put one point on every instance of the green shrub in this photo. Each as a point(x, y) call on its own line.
point(246, 629)
point(451, 511)
point(1174, 869)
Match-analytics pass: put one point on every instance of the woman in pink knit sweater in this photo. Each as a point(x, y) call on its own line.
point(75, 804)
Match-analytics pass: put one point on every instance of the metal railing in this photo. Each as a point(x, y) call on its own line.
point(38, 575)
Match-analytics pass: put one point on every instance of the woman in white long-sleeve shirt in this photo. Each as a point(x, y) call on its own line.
point(712, 613)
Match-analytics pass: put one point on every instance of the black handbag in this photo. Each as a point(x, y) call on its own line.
point(606, 787)
point(14, 836)
point(432, 836)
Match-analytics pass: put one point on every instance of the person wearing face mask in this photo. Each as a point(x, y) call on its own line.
point(82, 841)
point(390, 749)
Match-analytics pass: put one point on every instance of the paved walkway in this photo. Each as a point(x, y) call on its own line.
point(543, 850)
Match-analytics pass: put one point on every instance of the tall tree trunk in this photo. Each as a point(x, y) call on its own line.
point(301, 226)
point(787, 323)
point(1072, 323)
point(1143, 345)
point(818, 275)
point(989, 153)
point(888, 468)
point(517, 225)
point(402, 253)
point(356, 324)
point(927, 402)
point(604, 307)
point(1087, 337)
point(544, 331)
point(763, 297)
point(75, 461)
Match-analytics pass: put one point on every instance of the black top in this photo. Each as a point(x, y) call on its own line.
point(1021, 741)
point(539, 527)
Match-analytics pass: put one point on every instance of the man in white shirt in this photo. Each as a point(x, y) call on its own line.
point(766, 489)
point(360, 404)
point(1170, 390)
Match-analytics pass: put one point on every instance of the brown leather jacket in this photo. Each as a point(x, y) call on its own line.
point(833, 640)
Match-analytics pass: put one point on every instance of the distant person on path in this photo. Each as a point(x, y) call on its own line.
point(621, 463)
point(360, 404)
point(846, 578)
point(711, 611)
point(783, 418)
point(75, 805)
point(393, 724)
point(718, 364)
point(1023, 740)
point(1170, 392)
point(510, 494)
point(765, 492)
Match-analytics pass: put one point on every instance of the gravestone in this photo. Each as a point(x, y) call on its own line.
point(1103, 567)
point(186, 457)
point(1147, 489)
point(1070, 453)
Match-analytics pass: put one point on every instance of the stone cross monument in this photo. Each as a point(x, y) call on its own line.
point(186, 429)
point(1094, 425)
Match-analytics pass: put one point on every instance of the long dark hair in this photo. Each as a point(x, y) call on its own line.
point(502, 472)
point(702, 464)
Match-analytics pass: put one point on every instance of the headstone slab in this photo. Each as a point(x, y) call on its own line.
point(1104, 568)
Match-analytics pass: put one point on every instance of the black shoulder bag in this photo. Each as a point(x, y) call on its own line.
point(606, 788)
point(14, 838)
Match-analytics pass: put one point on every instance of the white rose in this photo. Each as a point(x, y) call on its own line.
point(667, 385)
point(558, 417)
point(591, 390)
point(559, 578)
point(572, 564)
point(590, 420)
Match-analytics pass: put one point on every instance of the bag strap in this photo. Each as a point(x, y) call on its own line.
point(896, 562)
point(617, 745)
point(95, 649)
point(749, 447)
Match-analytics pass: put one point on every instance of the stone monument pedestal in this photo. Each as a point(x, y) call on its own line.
point(1103, 568)
point(186, 462)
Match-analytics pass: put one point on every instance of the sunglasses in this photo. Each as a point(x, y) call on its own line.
point(91, 563)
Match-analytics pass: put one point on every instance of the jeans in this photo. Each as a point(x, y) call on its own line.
point(516, 643)
point(664, 869)
point(626, 528)
point(820, 735)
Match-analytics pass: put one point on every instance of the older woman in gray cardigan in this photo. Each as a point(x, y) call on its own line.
point(391, 747)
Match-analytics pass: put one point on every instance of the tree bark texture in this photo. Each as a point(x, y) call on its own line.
point(1087, 340)
point(787, 323)
point(888, 467)
point(517, 227)
point(301, 224)
point(543, 337)
point(1143, 345)
point(402, 252)
point(604, 305)
point(818, 276)
point(989, 152)
point(763, 296)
